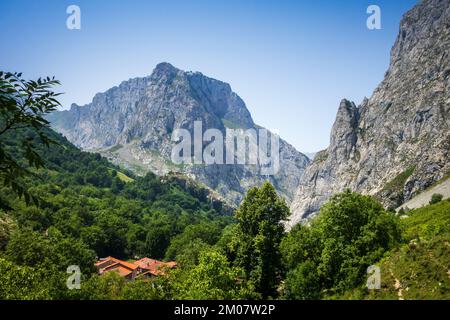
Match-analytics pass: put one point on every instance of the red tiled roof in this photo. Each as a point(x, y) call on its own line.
point(145, 263)
point(153, 266)
point(110, 266)
point(102, 261)
point(123, 271)
point(121, 262)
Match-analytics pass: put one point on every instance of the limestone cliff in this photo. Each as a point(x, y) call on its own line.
point(396, 143)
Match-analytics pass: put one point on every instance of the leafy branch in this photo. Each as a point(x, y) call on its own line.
point(23, 105)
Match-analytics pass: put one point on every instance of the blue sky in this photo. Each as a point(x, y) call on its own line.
point(291, 61)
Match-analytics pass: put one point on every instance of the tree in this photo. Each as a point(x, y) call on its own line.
point(50, 251)
point(158, 235)
point(7, 225)
point(20, 282)
point(355, 232)
point(189, 256)
point(206, 232)
point(301, 244)
point(117, 184)
point(142, 289)
point(23, 105)
point(212, 278)
point(302, 283)
point(257, 239)
point(107, 287)
point(350, 233)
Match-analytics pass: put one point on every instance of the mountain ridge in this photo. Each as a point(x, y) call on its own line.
point(132, 125)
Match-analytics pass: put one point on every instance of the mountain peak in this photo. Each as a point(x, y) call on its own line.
point(164, 70)
point(165, 66)
point(137, 119)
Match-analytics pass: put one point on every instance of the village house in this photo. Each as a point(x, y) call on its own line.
point(144, 267)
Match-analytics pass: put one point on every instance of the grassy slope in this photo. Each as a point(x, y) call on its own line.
point(420, 267)
point(124, 177)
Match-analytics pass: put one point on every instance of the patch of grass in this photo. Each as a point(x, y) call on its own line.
point(428, 222)
point(124, 177)
point(115, 148)
point(231, 125)
point(357, 156)
point(399, 181)
point(321, 156)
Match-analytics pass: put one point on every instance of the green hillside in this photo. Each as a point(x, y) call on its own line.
point(420, 267)
point(89, 208)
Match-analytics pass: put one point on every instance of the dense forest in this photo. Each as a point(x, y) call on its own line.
point(61, 206)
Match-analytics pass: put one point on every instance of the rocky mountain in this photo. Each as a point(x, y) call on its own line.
point(133, 124)
point(396, 143)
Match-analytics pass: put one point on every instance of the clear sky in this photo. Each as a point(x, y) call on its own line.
point(291, 61)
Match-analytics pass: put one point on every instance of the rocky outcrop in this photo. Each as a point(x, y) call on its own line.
point(132, 124)
point(396, 143)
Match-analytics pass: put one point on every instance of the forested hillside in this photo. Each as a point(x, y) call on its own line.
point(90, 208)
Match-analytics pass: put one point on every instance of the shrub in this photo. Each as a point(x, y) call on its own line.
point(436, 197)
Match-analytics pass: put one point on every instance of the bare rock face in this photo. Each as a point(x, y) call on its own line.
point(396, 143)
point(132, 124)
